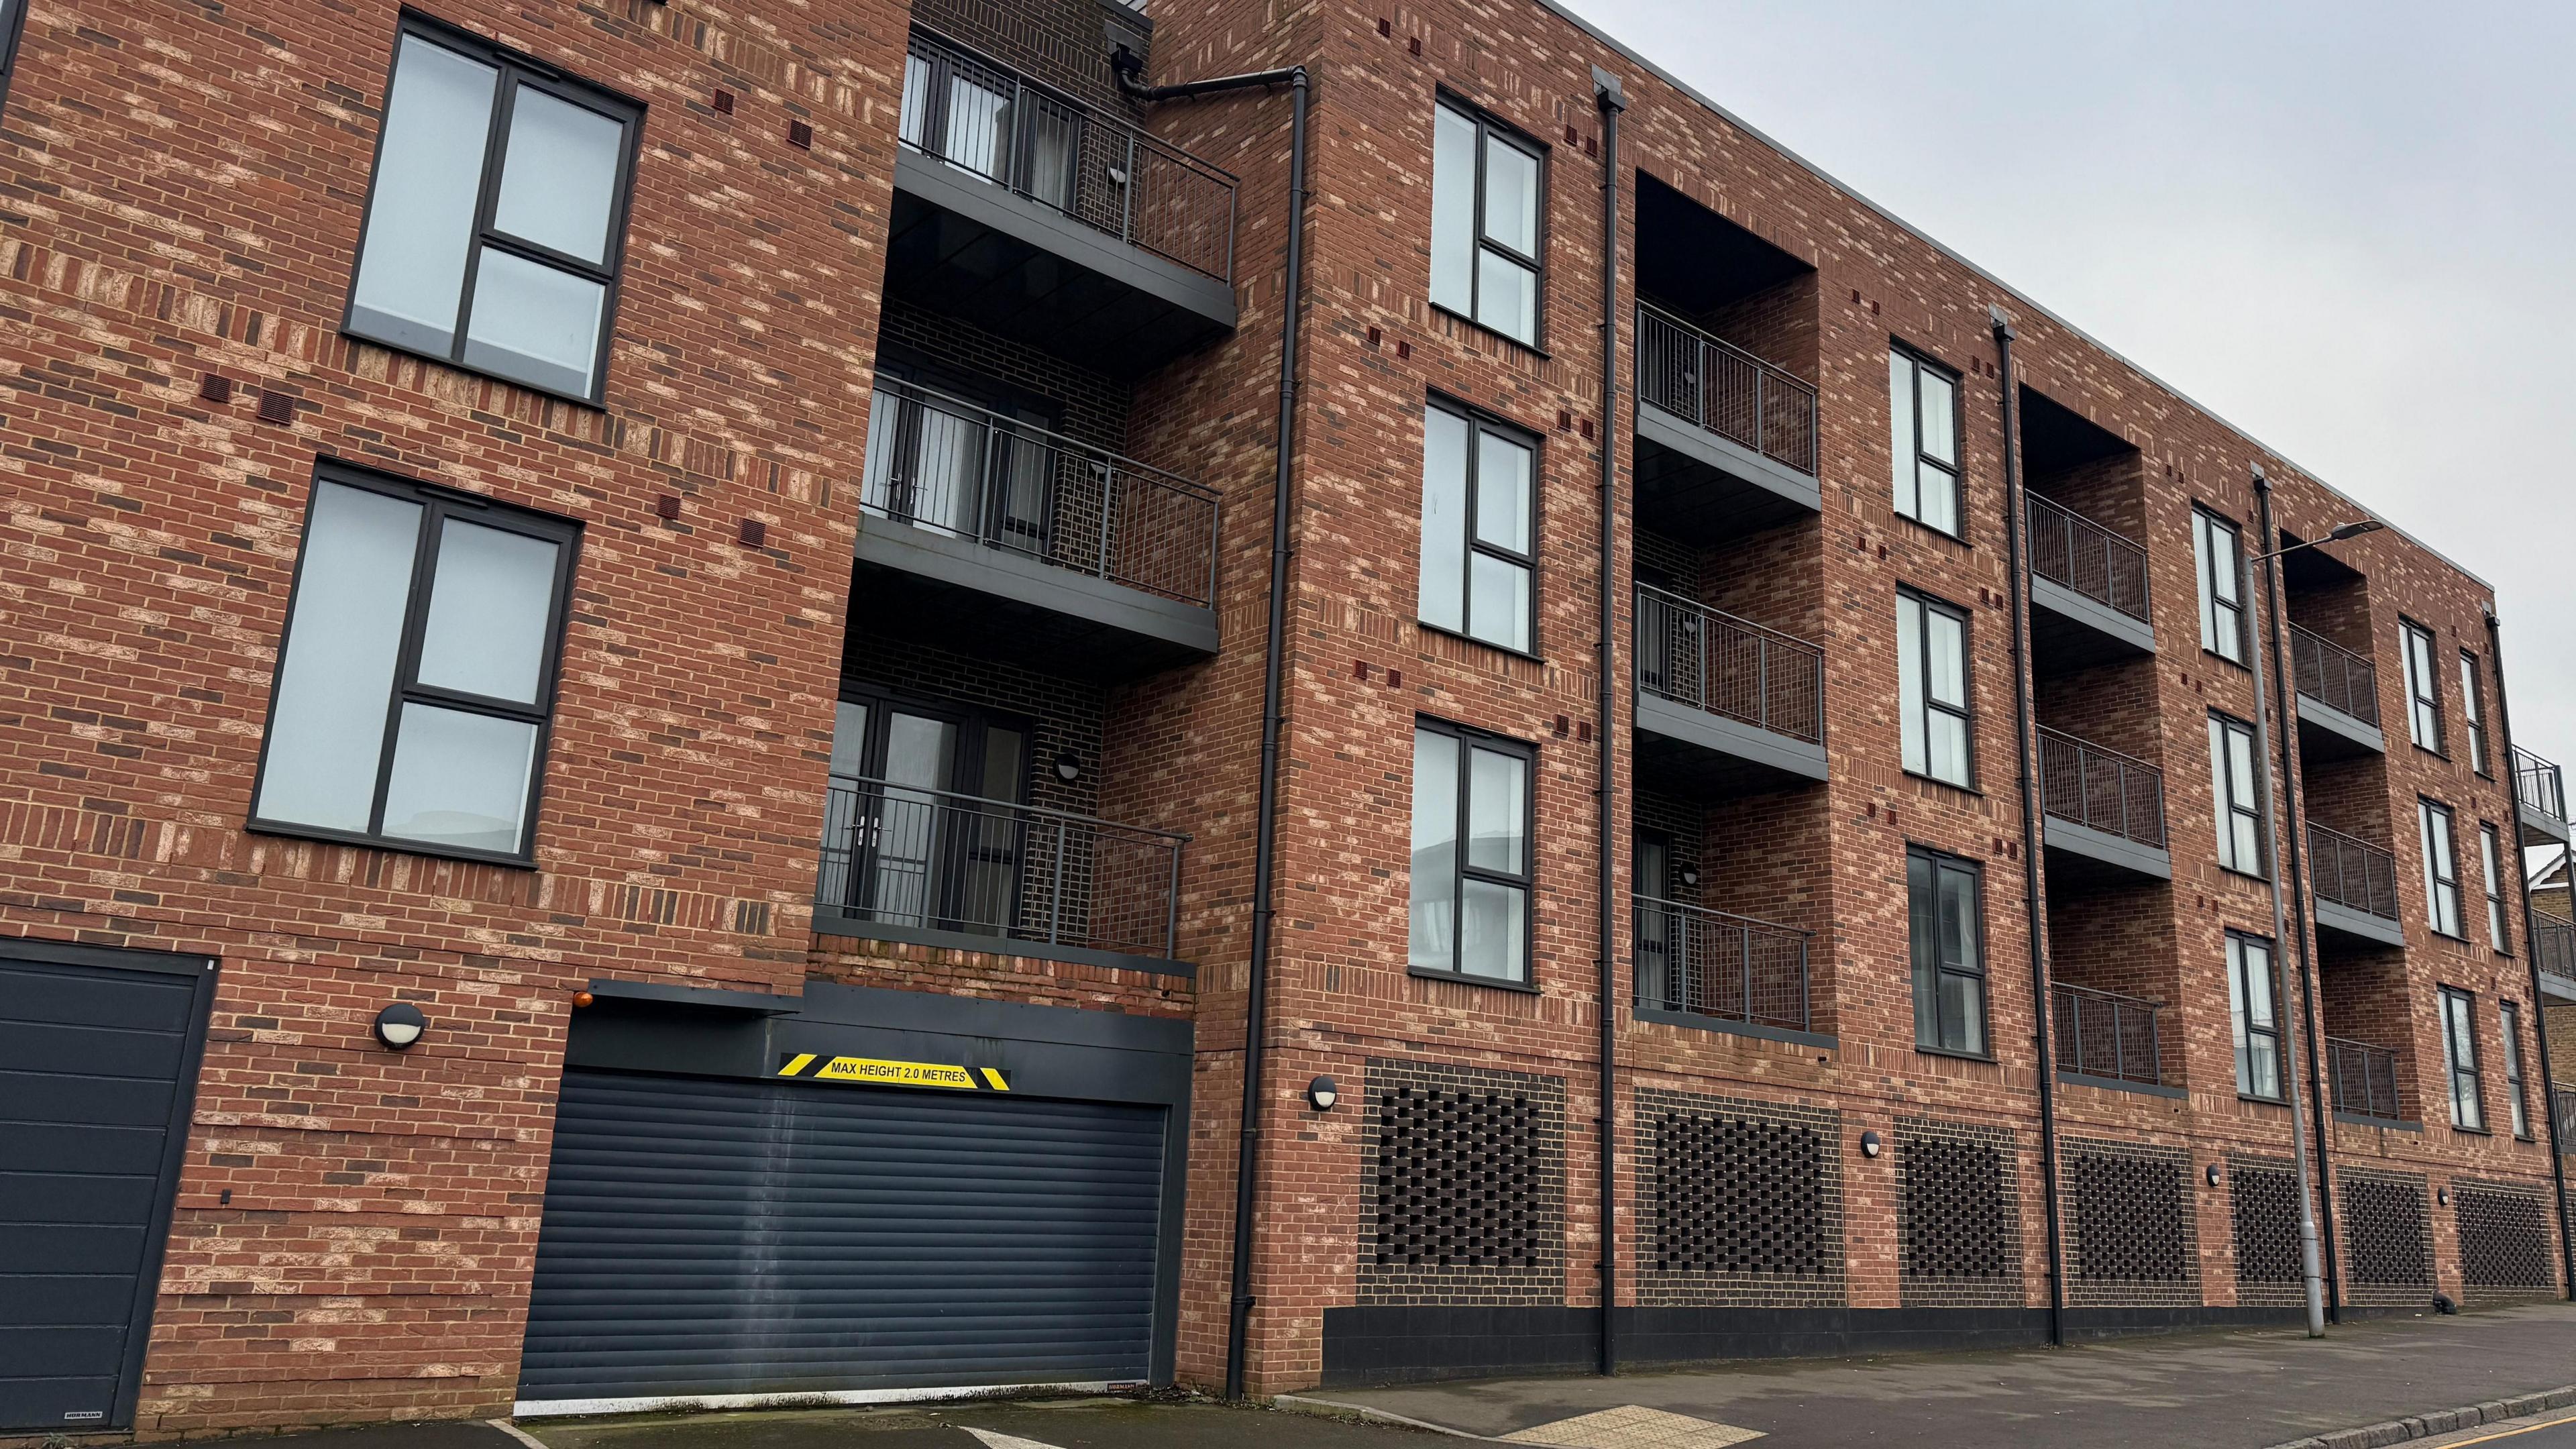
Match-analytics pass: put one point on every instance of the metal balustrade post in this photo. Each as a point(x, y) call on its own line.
point(1055, 902)
point(1172, 906)
point(1745, 940)
point(1127, 195)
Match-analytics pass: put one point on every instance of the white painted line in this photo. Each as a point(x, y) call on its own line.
point(1335, 1409)
point(996, 1440)
point(683, 1403)
point(515, 1432)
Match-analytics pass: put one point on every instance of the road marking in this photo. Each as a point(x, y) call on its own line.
point(2510, 1433)
point(515, 1432)
point(1633, 1426)
point(995, 1440)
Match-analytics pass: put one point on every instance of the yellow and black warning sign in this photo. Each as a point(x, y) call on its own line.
point(880, 1072)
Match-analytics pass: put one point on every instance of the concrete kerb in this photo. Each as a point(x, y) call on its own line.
point(1335, 1409)
point(2419, 1426)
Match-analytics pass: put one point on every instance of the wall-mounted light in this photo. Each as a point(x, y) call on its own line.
point(2442, 1195)
point(400, 1024)
point(2214, 1175)
point(1870, 1146)
point(1323, 1093)
point(1690, 876)
point(1067, 768)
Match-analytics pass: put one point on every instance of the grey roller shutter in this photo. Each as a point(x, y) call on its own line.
point(714, 1236)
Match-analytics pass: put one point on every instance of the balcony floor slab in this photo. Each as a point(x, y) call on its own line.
point(978, 599)
point(1699, 487)
point(2071, 630)
point(1711, 756)
point(2327, 733)
point(2066, 840)
point(2359, 925)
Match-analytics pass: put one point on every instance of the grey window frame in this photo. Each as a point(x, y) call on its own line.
point(2225, 807)
point(2460, 1058)
point(1940, 862)
point(1965, 711)
point(2517, 1105)
point(2491, 869)
point(1470, 739)
point(2473, 715)
point(1479, 423)
point(13, 27)
point(2424, 707)
point(515, 68)
point(437, 505)
point(1491, 129)
point(2214, 611)
point(2435, 883)
point(2240, 1022)
point(1957, 467)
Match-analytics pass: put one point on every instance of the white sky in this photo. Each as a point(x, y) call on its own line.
point(2346, 228)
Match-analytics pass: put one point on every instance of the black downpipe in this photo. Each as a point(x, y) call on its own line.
point(1605, 94)
point(1266, 822)
point(2531, 953)
point(2310, 1008)
point(2025, 741)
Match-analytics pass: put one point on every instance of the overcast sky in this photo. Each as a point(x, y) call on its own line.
point(2349, 229)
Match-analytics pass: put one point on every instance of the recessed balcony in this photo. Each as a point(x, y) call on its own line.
point(1724, 706)
point(1718, 971)
point(2338, 698)
point(1726, 442)
point(2540, 799)
point(2364, 1081)
point(2109, 1039)
point(2088, 590)
point(2105, 812)
point(2553, 948)
point(2354, 886)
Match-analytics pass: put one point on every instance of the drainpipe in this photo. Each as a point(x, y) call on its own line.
point(2297, 858)
point(2025, 739)
point(2531, 952)
point(1125, 66)
point(1606, 95)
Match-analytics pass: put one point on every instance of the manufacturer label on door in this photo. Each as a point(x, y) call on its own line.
point(879, 1072)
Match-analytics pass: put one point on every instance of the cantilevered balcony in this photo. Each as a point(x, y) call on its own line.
point(1053, 222)
point(2088, 590)
point(2338, 698)
point(2364, 1082)
point(1726, 442)
point(2562, 1102)
point(2105, 811)
point(2553, 948)
point(2355, 887)
point(2107, 1038)
point(2540, 798)
point(1724, 706)
point(1710, 969)
point(999, 538)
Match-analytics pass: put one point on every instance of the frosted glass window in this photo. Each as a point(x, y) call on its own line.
point(1923, 441)
point(460, 779)
point(1932, 690)
point(559, 178)
point(1470, 909)
point(2441, 868)
point(2253, 1018)
point(488, 612)
point(2460, 1056)
point(2423, 689)
point(2217, 561)
point(534, 323)
point(1488, 196)
point(1479, 500)
point(2238, 805)
point(1453, 211)
point(419, 233)
point(336, 681)
point(1944, 922)
point(1444, 519)
point(1435, 851)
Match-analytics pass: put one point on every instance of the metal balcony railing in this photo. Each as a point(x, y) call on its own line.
point(2553, 945)
point(2107, 1034)
point(2538, 785)
point(942, 463)
point(1091, 165)
point(2334, 676)
point(2070, 549)
point(2102, 789)
point(1694, 655)
point(1725, 389)
point(1710, 963)
point(2364, 1078)
point(900, 855)
point(2352, 873)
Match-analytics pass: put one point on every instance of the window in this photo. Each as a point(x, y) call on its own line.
point(2219, 551)
point(2509, 1021)
point(1949, 956)
point(2423, 693)
point(2239, 809)
point(1479, 504)
point(1471, 907)
point(2490, 860)
point(1923, 440)
point(13, 19)
point(415, 684)
point(1487, 186)
point(497, 215)
point(2252, 1008)
point(2460, 1055)
point(1932, 688)
point(2441, 868)
point(2473, 713)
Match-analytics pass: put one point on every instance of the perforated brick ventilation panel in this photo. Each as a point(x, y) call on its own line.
point(1464, 1190)
point(1742, 1202)
point(2263, 1199)
point(2505, 1240)
point(2388, 1239)
point(1958, 1214)
point(2130, 1215)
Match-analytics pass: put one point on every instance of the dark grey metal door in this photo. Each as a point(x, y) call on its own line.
point(98, 1065)
point(723, 1236)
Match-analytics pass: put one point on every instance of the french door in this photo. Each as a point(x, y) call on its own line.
point(939, 458)
point(1650, 882)
point(924, 820)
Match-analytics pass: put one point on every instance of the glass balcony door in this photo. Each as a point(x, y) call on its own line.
point(922, 832)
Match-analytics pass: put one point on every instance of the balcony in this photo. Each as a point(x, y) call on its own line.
point(1038, 217)
point(928, 867)
point(1709, 969)
point(2088, 590)
point(2364, 1079)
point(2338, 698)
point(1724, 706)
point(2105, 811)
point(2553, 949)
point(2562, 1103)
point(991, 536)
point(2108, 1039)
point(1726, 442)
point(2540, 799)
point(2355, 887)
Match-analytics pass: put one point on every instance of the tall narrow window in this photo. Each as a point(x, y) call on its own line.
point(1488, 201)
point(1479, 526)
point(2441, 867)
point(1471, 854)
point(2509, 1021)
point(13, 20)
point(2233, 792)
point(2460, 1055)
point(1932, 688)
point(2423, 690)
point(2491, 863)
point(1947, 928)
point(415, 686)
point(2473, 713)
point(1923, 439)
point(2252, 1010)
point(2218, 553)
point(497, 216)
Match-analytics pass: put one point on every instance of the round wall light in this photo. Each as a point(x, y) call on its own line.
point(1690, 876)
point(1870, 1146)
point(1067, 768)
point(1323, 1093)
point(400, 1024)
point(2213, 1174)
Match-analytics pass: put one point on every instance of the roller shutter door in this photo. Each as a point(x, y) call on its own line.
point(708, 1236)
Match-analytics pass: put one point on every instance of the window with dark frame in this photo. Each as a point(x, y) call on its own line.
point(1946, 923)
point(2491, 862)
point(2460, 1056)
point(2236, 794)
point(2509, 1022)
point(1937, 736)
point(2441, 867)
point(1488, 221)
point(1923, 439)
point(2423, 688)
point(416, 680)
point(1471, 884)
point(496, 214)
point(2473, 713)
point(2253, 1012)
point(13, 22)
point(2218, 554)
point(1479, 528)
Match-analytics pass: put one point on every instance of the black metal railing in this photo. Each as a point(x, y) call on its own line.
point(2352, 873)
point(2107, 1034)
point(2562, 1102)
point(2553, 945)
point(1709, 963)
point(1692, 654)
point(1095, 167)
point(2365, 1079)
point(1710, 381)
point(2538, 785)
point(2334, 676)
point(901, 855)
point(2070, 549)
point(2102, 789)
point(942, 463)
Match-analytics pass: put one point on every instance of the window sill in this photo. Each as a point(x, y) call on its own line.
point(1448, 633)
point(2439, 934)
point(2425, 749)
point(1727, 1026)
point(1945, 784)
point(1463, 979)
point(595, 404)
point(2459, 1131)
point(1931, 1051)
point(389, 844)
point(2253, 1101)
point(1532, 348)
point(2208, 653)
point(2264, 881)
point(1919, 526)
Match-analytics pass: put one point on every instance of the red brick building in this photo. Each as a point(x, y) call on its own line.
point(634, 689)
